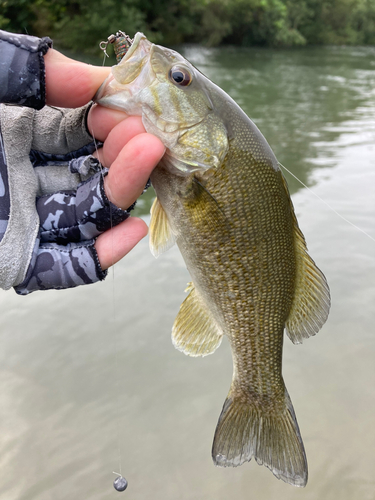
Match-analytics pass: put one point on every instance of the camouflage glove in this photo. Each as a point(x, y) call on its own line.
point(52, 202)
point(22, 69)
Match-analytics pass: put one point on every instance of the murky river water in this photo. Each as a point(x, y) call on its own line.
point(89, 377)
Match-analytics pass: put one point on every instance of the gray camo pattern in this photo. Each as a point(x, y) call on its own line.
point(57, 267)
point(72, 216)
point(64, 255)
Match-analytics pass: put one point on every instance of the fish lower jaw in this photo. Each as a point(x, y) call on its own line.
point(161, 124)
point(118, 101)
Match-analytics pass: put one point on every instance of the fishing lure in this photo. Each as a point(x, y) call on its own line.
point(121, 44)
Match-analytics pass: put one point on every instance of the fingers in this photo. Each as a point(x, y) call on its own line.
point(118, 137)
point(71, 83)
point(131, 155)
point(101, 121)
point(114, 244)
point(124, 183)
point(132, 168)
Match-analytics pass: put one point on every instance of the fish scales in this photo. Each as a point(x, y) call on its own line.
point(221, 196)
point(263, 279)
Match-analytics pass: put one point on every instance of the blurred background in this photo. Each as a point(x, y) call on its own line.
point(82, 24)
point(90, 382)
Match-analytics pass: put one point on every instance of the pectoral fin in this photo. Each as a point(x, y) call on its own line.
point(161, 235)
point(311, 304)
point(194, 332)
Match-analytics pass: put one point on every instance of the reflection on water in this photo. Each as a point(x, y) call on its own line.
point(89, 377)
point(296, 97)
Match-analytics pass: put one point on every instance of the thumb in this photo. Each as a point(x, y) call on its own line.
point(71, 83)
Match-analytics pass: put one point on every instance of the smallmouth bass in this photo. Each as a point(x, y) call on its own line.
point(222, 198)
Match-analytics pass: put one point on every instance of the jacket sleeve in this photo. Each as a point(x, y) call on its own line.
point(22, 70)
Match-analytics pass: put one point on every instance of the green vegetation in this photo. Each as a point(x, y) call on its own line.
point(81, 24)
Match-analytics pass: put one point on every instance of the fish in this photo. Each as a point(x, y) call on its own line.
point(222, 198)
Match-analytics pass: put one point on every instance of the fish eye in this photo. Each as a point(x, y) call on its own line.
point(180, 76)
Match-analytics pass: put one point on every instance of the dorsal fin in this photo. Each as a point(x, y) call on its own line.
point(311, 304)
point(194, 332)
point(161, 235)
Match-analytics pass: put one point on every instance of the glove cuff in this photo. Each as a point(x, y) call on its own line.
point(23, 73)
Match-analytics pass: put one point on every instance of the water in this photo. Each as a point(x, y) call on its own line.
point(89, 372)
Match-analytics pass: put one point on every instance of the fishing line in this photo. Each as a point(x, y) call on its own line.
point(327, 204)
point(121, 44)
point(120, 483)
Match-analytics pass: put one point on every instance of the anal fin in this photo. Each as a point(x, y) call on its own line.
point(194, 332)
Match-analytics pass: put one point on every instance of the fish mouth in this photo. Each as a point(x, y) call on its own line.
point(127, 79)
point(138, 38)
point(120, 85)
point(124, 88)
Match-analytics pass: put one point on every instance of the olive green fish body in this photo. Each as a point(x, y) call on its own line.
point(222, 198)
point(235, 230)
point(245, 274)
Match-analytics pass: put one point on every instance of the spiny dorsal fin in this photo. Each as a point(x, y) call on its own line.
point(194, 332)
point(161, 235)
point(311, 303)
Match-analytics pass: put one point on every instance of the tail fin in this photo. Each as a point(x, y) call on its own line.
point(244, 431)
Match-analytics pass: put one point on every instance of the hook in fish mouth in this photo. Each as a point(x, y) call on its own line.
point(125, 72)
point(121, 44)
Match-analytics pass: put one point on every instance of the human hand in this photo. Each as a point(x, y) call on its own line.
point(128, 150)
point(52, 213)
point(131, 154)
